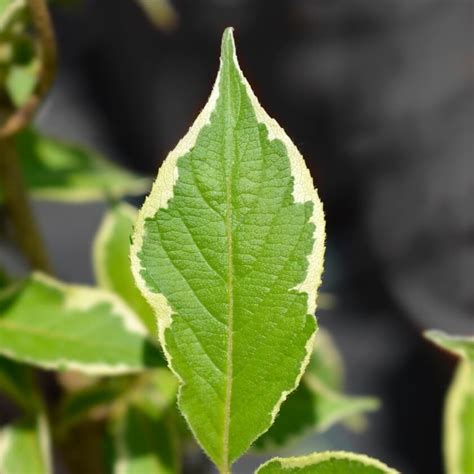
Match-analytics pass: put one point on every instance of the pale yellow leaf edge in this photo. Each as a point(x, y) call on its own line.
point(317, 458)
point(102, 238)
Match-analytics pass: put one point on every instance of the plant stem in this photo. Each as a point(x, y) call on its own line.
point(21, 117)
point(18, 208)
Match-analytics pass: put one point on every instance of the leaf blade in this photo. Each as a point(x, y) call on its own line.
point(57, 326)
point(202, 211)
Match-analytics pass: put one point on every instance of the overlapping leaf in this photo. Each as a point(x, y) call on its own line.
point(112, 263)
point(56, 326)
point(337, 462)
point(228, 249)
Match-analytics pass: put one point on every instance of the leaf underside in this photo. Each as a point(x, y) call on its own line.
point(326, 463)
point(232, 239)
point(57, 326)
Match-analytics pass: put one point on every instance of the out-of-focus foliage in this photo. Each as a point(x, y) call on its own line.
point(112, 263)
point(56, 170)
point(75, 328)
point(318, 402)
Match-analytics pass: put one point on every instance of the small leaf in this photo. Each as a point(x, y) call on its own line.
point(463, 346)
point(112, 263)
point(57, 170)
point(143, 442)
point(228, 249)
point(317, 404)
point(65, 327)
point(25, 447)
point(17, 383)
point(161, 13)
point(335, 462)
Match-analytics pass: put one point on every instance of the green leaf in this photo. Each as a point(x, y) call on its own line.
point(228, 249)
point(317, 404)
point(459, 421)
point(331, 462)
point(25, 447)
point(112, 263)
point(144, 443)
point(463, 346)
point(57, 326)
point(57, 170)
point(82, 404)
point(16, 382)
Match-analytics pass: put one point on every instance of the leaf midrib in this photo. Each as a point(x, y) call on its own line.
point(228, 144)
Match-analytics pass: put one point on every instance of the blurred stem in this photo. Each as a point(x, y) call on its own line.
point(11, 180)
point(18, 207)
point(22, 116)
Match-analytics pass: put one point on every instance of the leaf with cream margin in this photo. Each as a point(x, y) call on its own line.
point(228, 249)
point(60, 171)
point(318, 403)
point(112, 262)
point(25, 447)
point(16, 381)
point(66, 327)
point(458, 429)
point(335, 462)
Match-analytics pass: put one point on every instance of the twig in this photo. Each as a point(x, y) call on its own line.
point(18, 208)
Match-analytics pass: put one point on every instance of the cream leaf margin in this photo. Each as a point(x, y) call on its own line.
point(317, 458)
